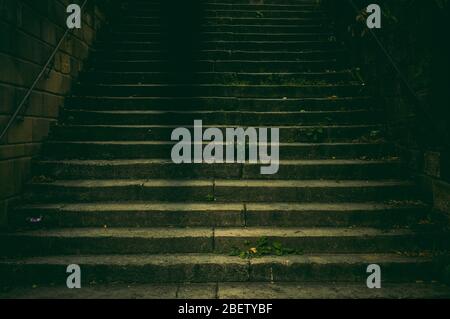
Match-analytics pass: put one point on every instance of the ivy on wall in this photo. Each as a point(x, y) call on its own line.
point(413, 32)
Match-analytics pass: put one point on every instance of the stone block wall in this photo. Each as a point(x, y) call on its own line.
point(29, 32)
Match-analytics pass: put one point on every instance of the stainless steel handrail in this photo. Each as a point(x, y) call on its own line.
point(36, 81)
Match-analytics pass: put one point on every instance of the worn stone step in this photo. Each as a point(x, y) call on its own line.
point(98, 241)
point(221, 66)
point(233, 20)
point(146, 6)
point(309, 2)
point(215, 268)
point(323, 240)
point(234, 2)
point(158, 27)
point(295, 170)
point(221, 190)
point(223, 36)
point(216, 103)
point(267, 2)
point(241, 291)
point(162, 149)
point(214, 34)
point(329, 169)
point(305, 134)
point(231, 13)
point(263, 6)
point(107, 241)
point(312, 190)
point(264, 21)
point(166, 14)
point(232, 90)
point(228, 2)
point(114, 77)
point(142, 55)
point(245, 119)
point(281, 46)
point(130, 214)
point(416, 290)
point(151, 214)
point(334, 214)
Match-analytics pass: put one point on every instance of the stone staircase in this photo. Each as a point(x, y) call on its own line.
point(106, 195)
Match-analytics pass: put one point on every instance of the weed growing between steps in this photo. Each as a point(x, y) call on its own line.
point(316, 134)
point(42, 179)
point(374, 136)
point(263, 247)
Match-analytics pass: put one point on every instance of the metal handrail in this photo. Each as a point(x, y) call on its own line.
point(36, 81)
point(389, 57)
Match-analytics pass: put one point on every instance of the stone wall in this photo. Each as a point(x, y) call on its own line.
point(29, 31)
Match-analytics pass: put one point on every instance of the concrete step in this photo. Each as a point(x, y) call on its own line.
point(244, 119)
point(162, 149)
point(114, 77)
point(295, 134)
point(101, 241)
point(220, 66)
point(215, 268)
point(216, 103)
point(222, 190)
point(151, 214)
point(157, 168)
point(234, 291)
